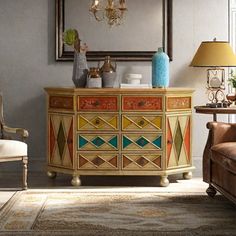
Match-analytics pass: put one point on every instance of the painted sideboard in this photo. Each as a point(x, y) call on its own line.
point(119, 132)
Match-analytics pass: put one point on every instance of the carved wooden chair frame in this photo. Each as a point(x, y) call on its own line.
point(4, 132)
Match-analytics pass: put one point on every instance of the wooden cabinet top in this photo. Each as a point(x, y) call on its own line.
point(73, 90)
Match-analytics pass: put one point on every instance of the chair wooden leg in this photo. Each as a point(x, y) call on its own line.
point(25, 172)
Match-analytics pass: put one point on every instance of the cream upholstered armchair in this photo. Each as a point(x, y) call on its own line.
point(13, 150)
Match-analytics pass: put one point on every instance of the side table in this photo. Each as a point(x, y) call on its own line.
point(215, 111)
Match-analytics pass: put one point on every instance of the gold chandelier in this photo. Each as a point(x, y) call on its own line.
point(113, 11)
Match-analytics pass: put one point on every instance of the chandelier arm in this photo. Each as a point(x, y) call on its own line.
point(112, 12)
point(96, 17)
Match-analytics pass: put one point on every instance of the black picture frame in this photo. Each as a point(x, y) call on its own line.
point(63, 55)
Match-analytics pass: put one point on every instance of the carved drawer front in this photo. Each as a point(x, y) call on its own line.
point(89, 142)
point(98, 161)
point(141, 162)
point(142, 103)
point(142, 142)
point(178, 103)
point(178, 141)
point(61, 102)
point(60, 140)
point(98, 121)
point(141, 122)
point(98, 103)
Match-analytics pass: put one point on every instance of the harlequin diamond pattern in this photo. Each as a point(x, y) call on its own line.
point(157, 142)
point(61, 140)
point(141, 122)
point(135, 162)
point(87, 142)
point(98, 122)
point(178, 141)
point(98, 161)
point(52, 140)
point(142, 142)
point(98, 141)
point(142, 161)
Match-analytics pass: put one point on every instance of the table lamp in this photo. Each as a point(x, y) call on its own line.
point(216, 55)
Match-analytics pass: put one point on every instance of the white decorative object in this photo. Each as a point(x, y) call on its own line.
point(133, 78)
point(123, 85)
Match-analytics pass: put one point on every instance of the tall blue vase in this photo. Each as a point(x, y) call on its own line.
point(160, 69)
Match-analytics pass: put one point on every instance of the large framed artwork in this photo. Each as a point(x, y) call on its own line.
point(147, 25)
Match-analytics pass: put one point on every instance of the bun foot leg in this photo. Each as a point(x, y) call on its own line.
point(164, 182)
point(51, 174)
point(76, 180)
point(188, 175)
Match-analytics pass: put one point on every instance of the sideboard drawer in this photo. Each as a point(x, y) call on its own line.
point(98, 121)
point(142, 103)
point(178, 103)
point(147, 141)
point(61, 102)
point(88, 161)
point(98, 103)
point(141, 161)
point(98, 142)
point(144, 122)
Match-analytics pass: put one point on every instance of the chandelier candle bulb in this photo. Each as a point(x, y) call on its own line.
point(160, 69)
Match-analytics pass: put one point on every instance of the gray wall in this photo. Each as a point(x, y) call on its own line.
point(27, 62)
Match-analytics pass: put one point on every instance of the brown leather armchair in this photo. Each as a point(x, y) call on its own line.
point(219, 160)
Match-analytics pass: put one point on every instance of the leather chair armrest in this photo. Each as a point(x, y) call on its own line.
point(222, 132)
point(22, 132)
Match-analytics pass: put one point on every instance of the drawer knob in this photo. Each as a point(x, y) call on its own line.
point(97, 121)
point(96, 103)
point(141, 122)
point(141, 103)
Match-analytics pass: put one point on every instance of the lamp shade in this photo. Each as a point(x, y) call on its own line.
point(214, 54)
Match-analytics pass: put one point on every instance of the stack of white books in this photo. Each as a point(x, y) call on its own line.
point(124, 85)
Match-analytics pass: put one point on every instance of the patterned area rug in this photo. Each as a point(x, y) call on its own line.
point(75, 213)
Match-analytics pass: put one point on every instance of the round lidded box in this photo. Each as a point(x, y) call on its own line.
point(133, 78)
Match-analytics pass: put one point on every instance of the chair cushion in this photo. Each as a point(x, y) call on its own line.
point(12, 148)
point(225, 155)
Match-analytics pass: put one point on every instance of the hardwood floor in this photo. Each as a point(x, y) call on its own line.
point(41, 180)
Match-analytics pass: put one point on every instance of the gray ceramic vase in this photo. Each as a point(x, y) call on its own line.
point(80, 70)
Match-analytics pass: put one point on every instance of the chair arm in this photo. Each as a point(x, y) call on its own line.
point(22, 132)
point(222, 132)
